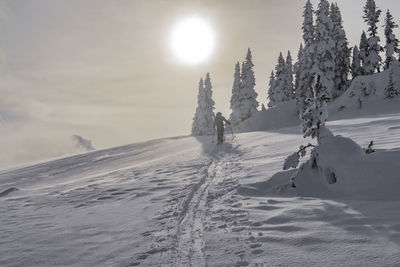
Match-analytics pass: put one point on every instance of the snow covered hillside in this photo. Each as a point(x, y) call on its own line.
point(364, 98)
point(185, 202)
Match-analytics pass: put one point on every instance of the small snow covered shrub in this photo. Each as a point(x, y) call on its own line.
point(314, 119)
point(293, 160)
point(370, 148)
point(390, 90)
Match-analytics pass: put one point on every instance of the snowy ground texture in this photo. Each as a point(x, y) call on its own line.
point(185, 202)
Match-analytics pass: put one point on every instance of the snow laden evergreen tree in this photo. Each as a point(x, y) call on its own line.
point(281, 84)
point(271, 90)
point(371, 17)
point(390, 90)
point(308, 24)
point(314, 118)
point(281, 92)
point(235, 98)
point(247, 102)
point(341, 52)
point(305, 80)
point(198, 118)
point(248, 96)
point(363, 52)
point(316, 114)
point(324, 61)
point(289, 76)
point(392, 43)
point(298, 68)
point(356, 69)
point(203, 121)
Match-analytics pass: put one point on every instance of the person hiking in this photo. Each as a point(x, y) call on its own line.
point(219, 123)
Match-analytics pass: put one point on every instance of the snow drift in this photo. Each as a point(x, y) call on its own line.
point(339, 167)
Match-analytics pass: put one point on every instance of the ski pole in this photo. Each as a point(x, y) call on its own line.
point(213, 135)
point(233, 136)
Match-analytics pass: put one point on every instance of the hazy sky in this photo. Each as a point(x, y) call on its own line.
point(104, 69)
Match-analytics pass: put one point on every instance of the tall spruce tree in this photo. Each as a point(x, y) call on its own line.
point(305, 81)
point(371, 17)
point(203, 121)
point(280, 92)
point(308, 24)
point(363, 52)
point(235, 98)
point(298, 68)
point(316, 113)
point(392, 43)
point(271, 90)
point(289, 76)
point(247, 94)
point(198, 116)
point(341, 52)
point(324, 63)
point(356, 63)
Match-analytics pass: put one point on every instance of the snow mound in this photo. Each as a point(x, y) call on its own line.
point(281, 116)
point(366, 96)
point(340, 168)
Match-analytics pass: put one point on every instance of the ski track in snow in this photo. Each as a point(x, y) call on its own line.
point(191, 213)
point(190, 245)
point(189, 249)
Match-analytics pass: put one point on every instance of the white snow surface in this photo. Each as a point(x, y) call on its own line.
point(186, 202)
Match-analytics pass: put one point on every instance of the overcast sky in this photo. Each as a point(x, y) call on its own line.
point(104, 69)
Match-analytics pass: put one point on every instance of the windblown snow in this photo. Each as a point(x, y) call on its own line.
point(186, 202)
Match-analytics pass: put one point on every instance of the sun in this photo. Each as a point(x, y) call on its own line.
point(193, 40)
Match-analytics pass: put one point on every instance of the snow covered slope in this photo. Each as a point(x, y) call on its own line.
point(185, 202)
point(364, 98)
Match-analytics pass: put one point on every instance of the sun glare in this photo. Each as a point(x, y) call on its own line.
point(193, 40)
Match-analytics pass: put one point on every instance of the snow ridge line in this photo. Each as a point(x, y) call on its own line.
point(189, 250)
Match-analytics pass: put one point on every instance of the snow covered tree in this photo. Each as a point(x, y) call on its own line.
point(281, 93)
point(305, 80)
point(281, 85)
point(298, 68)
point(371, 17)
point(316, 114)
point(250, 103)
point(203, 121)
point(324, 63)
point(208, 89)
point(341, 52)
point(363, 52)
point(289, 76)
point(308, 24)
point(235, 98)
point(390, 90)
point(392, 43)
point(271, 90)
point(247, 95)
point(356, 63)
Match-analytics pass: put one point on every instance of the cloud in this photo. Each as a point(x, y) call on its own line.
point(83, 143)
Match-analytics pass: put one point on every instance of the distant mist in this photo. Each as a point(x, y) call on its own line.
point(83, 143)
